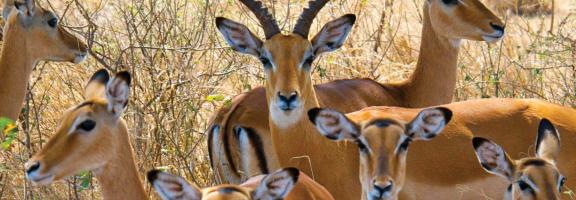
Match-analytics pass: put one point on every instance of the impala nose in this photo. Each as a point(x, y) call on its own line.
point(382, 189)
point(287, 102)
point(32, 168)
point(497, 27)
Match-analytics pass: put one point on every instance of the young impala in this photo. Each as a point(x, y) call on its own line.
point(240, 131)
point(383, 144)
point(93, 136)
point(31, 34)
point(443, 168)
point(287, 184)
point(532, 177)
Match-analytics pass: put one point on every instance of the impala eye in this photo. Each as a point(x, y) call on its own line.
point(87, 125)
point(450, 2)
point(561, 184)
point(266, 62)
point(308, 62)
point(525, 187)
point(53, 22)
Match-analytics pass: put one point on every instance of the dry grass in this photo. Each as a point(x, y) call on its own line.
point(181, 68)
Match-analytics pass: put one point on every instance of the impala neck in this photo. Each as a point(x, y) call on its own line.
point(434, 79)
point(16, 65)
point(119, 177)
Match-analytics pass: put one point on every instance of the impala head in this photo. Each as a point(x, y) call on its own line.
point(38, 29)
point(88, 134)
point(287, 59)
point(532, 177)
point(383, 141)
point(464, 19)
point(271, 187)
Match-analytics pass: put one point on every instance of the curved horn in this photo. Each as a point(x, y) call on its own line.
point(305, 20)
point(266, 20)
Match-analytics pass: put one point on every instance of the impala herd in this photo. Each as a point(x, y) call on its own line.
point(347, 139)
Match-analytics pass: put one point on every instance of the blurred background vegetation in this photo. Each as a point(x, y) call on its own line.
point(183, 71)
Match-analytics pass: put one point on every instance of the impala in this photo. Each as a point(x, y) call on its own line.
point(93, 136)
point(240, 131)
point(532, 177)
point(443, 168)
point(287, 183)
point(383, 144)
point(31, 34)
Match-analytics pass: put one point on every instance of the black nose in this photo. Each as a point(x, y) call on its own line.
point(381, 188)
point(497, 27)
point(33, 168)
point(288, 100)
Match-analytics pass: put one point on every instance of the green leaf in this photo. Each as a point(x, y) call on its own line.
point(85, 179)
point(10, 130)
point(214, 98)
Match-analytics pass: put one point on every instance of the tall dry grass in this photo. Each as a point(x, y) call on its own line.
point(183, 72)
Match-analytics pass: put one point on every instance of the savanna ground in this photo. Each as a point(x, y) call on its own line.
point(183, 71)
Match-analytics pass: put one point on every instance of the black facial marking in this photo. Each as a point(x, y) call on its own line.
point(405, 144)
point(534, 162)
point(266, 62)
point(382, 123)
point(87, 103)
point(228, 190)
point(363, 148)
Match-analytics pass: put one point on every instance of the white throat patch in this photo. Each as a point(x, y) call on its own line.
point(283, 119)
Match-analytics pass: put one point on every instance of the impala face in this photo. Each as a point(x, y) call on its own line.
point(38, 29)
point(382, 141)
point(287, 61)
point(87, 133)
point(465, 19)
point(530, 178)
point(270, 187)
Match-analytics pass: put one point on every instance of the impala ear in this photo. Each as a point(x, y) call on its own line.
point(239, 37)
point(333, 34)
point(493, 158)
point(117, 93)
point(333, 124)
point(170, 186)
point(548, 141)
point(277, 185)
point(429, 123)
point(96, 86)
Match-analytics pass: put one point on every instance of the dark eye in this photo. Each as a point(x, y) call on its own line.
point(404, 145)
point(562, 182)
point(53, 22)
point(87, 125)
point(308, 61)
point(362, 147)
point(266, 62)
point(524, 186)
point(450, 2)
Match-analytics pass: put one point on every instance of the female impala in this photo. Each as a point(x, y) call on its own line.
point(287, 183)
point(445, 168)
point(383, 144)
point(93, 136)
point(532, 177)
point(31, 34)
point(287, 61)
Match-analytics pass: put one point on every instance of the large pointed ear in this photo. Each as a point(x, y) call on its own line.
point(548, 141)
point(333, 34)
point(239, 36)
point(171, 187)
point(493, 158)
point(117, 93)
point(25, 7)
point(277, 185)
point(96, 86)
point(429, 123)
point(333, 124)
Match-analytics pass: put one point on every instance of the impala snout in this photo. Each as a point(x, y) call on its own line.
point(381, 190)
point(34, 173)
point(496, 34)
point(288, 102)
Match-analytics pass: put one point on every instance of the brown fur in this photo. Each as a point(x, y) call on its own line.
point(435, 168)
point(437, 59)
point(106, 150)
point(24, 46)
